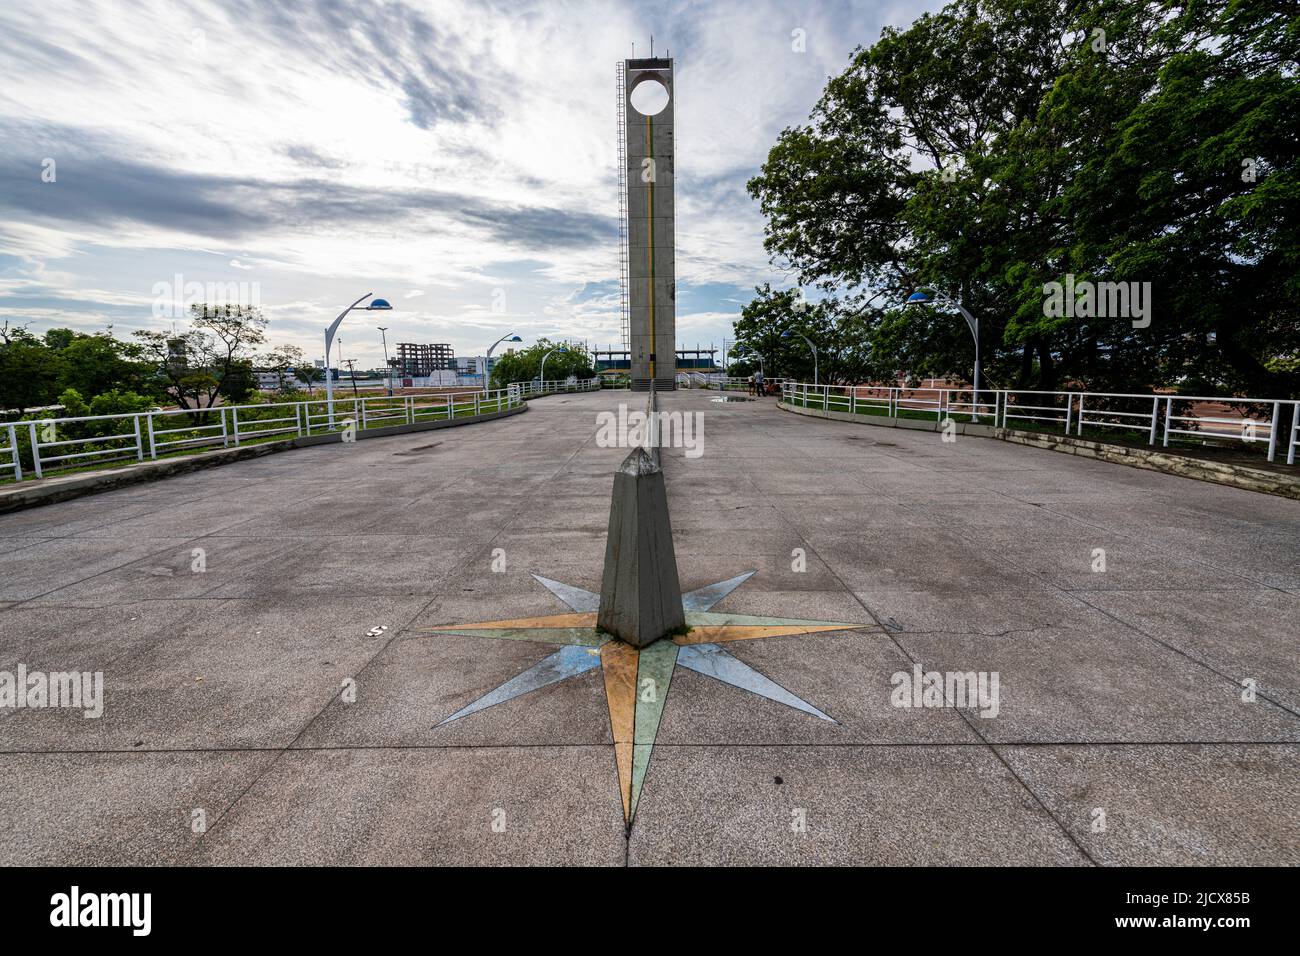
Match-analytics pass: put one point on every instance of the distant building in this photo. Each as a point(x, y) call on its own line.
point(688, 360)
point(414, 360)
point(270, 380)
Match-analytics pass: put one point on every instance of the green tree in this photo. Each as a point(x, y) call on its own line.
point(94, 364)
point(213, 358)
point(524, 365)
point(841, 332)
point(997, 146)
point(30, 371)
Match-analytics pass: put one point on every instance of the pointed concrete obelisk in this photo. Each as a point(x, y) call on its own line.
point(640, 596)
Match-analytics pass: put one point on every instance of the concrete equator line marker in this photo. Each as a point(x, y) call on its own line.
point(640, 592)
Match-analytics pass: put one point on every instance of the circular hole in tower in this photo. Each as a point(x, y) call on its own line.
point(649, 97)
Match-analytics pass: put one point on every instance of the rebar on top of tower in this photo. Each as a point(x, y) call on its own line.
point(619, 97)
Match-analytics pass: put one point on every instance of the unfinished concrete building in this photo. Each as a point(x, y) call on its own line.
point(418, 360)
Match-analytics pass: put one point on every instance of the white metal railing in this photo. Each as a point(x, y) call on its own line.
point(553, 386)
point(1154, 417)
point(101, 439)
point(734, 383)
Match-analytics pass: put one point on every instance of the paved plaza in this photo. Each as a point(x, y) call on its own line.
point(283, 640)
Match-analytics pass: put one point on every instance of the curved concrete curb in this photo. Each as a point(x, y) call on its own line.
point(44, 491)
point(1221, 473)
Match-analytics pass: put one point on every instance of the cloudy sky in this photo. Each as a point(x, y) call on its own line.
point(456, 158)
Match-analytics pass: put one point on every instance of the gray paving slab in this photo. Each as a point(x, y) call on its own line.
point(209, 684)
point(115, 809)
point(1200, 805)
point(1246, 635)
point(90, 636)
point(30, 572)
point(1097, 681)
point(557, 806)
point(198, 567)
point(70, 518)
point(989, 613)
point(862, 806)
point(398, 565)
point(951, 562)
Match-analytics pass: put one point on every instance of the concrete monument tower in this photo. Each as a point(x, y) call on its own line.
point(652, 292)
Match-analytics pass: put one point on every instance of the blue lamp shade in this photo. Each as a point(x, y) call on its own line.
point(514, 338)
point(785, 334)
point(918, 298)
point(379, 304)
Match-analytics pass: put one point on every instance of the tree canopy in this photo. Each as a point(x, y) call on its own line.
point(998, 146)
point(35, 371)
point(524, 365)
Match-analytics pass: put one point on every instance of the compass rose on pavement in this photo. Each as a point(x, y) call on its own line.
point(637, 682)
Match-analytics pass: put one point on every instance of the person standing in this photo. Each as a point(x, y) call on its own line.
point(758, 383)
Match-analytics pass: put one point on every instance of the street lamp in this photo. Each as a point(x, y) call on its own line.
point(541, 375)
point(388, 369)
point(928, 297)
point(508, 337)
point(745, 353)
point(379, 305)
point(787, 333)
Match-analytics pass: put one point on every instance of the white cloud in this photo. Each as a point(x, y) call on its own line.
point(398, 145)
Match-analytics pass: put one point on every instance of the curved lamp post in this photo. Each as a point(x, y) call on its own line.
point(787, 333)
point(745, 353)
point(388, 369)
point(541, 375)
point(929, 297)
point(379, 305)
point(508, 337)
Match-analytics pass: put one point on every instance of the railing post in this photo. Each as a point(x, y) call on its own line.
point(478, 405)
point(234, 421)
point(139, 442)
point(298, 415)
point(153, 445)
point(1272, 431)
point(1080, 428)
point(13, 448)
point(1155, 410)
point(225, 434)
point(1292, 433)
point(36, 450)
point(1169, 411)
point(410, 409)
